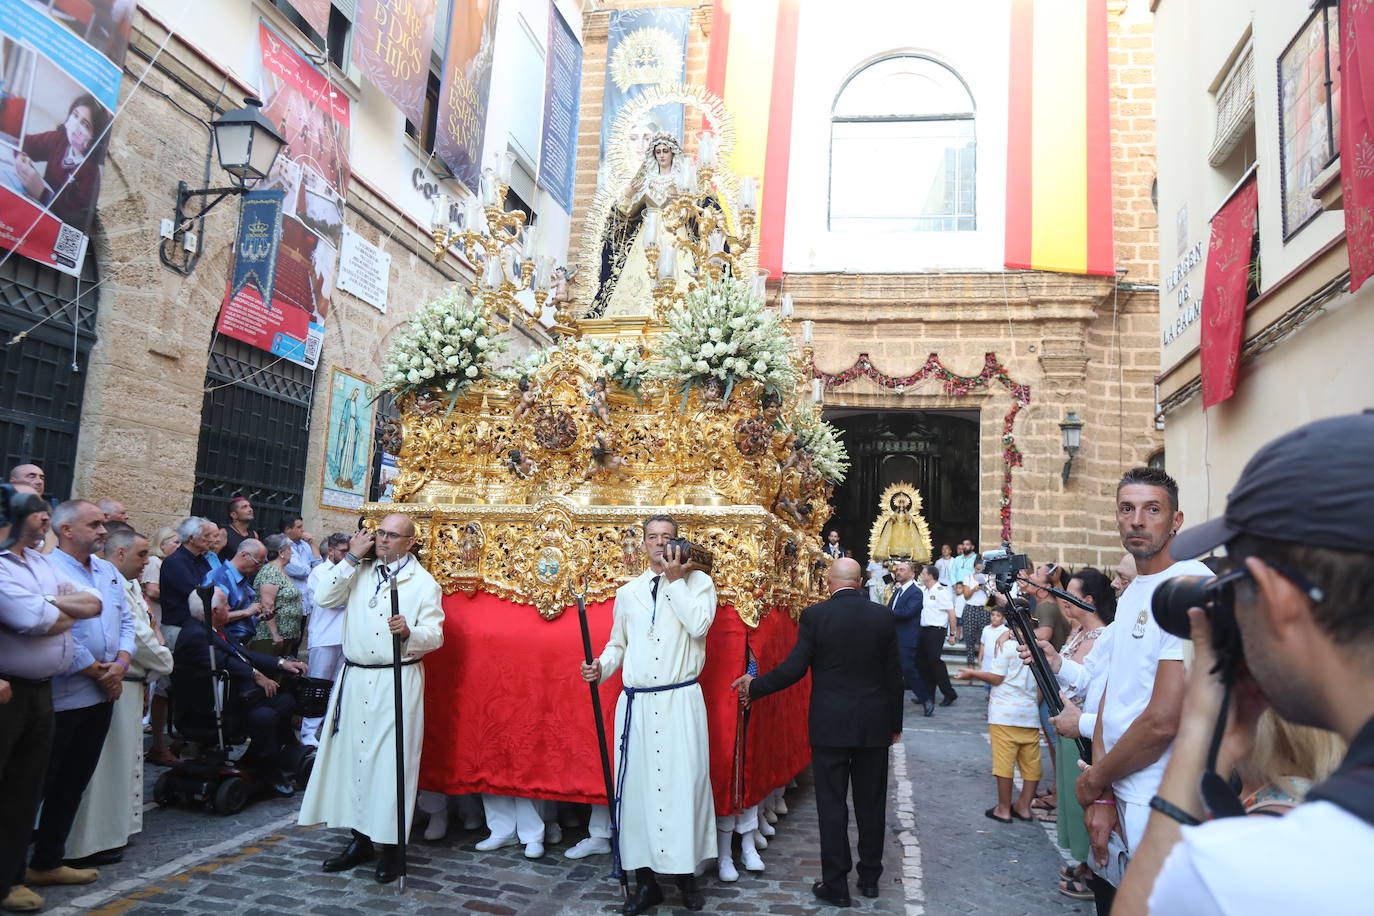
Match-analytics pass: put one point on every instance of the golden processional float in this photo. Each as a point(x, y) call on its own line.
point(670, 389)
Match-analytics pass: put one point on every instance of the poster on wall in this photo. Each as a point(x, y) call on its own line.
point(312, 172)
point(644, 48)
point(60, 69)
point(347, 463)
point(364, 270)
point(465, 88)
point(392, 39)
point(562, 94)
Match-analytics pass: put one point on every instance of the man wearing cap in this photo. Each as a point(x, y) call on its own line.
point(1304, 566)
point(1140, 706)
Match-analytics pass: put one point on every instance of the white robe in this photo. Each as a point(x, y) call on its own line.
point(112, 806)
point(353, 784)
point(667, 813)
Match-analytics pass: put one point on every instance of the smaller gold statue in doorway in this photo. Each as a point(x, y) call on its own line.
point(899, 532)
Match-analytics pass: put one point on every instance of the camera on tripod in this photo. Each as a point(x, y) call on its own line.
point(1003, 565)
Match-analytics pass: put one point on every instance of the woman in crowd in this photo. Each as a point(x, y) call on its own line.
point(164, 543)
point(281, 633)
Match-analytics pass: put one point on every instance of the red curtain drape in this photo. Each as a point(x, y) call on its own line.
point(1357, 143)
point(506, 713)
point(1223, 294)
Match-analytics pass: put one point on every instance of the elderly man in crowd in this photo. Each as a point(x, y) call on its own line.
point(38, 608)
point(112, 808)
point(84, 695)
point(114, 510)
point(182, 571)
point(235, 579)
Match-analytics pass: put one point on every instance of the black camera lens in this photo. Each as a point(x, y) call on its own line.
point(1173, 598)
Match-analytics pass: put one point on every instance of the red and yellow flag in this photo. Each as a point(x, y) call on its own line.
point(752, 65)
point(1059, 151)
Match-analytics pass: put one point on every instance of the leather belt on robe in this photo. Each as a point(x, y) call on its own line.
point(343, 676)
point(630, 693)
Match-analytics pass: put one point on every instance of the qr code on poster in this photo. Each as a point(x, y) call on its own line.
point(67, 249)
point(312, 348)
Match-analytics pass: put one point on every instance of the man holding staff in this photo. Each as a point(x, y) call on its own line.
point(663, 769)
point(356, 763)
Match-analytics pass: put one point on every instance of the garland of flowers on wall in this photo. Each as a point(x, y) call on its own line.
point(954, 384)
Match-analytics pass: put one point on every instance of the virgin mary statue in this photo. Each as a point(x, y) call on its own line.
point(626, 284)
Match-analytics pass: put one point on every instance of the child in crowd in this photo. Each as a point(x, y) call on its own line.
point(987, 641)
point(1013, 727)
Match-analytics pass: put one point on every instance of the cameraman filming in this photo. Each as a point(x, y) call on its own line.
point(1300, 591)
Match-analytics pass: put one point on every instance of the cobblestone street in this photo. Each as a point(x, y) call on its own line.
point(943, 856)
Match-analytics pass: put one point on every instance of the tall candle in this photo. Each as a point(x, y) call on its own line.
point(817, 391)
point(807, 327)
point(787, 305)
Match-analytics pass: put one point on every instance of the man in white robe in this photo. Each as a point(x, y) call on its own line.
point(353, 783)
point(112, 806)
point(663, 774)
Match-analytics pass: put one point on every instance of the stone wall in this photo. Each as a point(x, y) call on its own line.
point(140, 425)
point(1131, 76)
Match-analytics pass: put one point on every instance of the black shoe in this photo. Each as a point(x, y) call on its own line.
point(358, 851)
point(868, 890)
point(949, 700)
point(644, 897)
point(826, 895)
point(929, 706)
point(388, 864)
point(692, 898)
point(97, 859)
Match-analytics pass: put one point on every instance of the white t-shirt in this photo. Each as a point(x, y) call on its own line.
point(1138, 646)
point(1315, 859)
point(324, 626)
point(988, 639)
point(935, 606)
point(943, 565)
point(1013, 702)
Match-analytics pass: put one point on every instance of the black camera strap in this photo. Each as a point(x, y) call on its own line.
point(1219, 796)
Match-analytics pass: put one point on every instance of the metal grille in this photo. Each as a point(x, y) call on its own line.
point(254, 433)
point(43, 377)
point(1235, 107)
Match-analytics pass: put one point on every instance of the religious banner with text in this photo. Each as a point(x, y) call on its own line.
point(465, 88)
point(1357, 138)
point(562, 93)
point(316, 15)
point(1223, 293)
point(644, 48)
point(312, 175)
point(393, 40)
point(60, 71)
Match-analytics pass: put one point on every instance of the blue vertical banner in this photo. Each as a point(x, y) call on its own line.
point(255, 248)
point(562, 97)
point(644, 48)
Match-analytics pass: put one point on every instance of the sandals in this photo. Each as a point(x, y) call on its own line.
point(1020, 817)
point(990, 814)
point(1043, 802)
point(1076, 888)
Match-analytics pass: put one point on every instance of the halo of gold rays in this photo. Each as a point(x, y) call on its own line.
point(621, 168)
point(885, 512)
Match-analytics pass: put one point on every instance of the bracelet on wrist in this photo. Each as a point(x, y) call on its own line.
point(1171, 810)
point(352, 559)
point(1105, 801)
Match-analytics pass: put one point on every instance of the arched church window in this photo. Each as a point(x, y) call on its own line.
point(903, 151)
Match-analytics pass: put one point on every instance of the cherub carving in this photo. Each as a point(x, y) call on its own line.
point(520, 464)
point(529, 396)
point(604, 458)
point(598, 400)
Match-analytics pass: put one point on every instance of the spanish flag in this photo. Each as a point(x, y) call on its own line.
point(752, 66)
point(1059, 154)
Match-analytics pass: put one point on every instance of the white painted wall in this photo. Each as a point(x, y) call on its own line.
point(834, 41)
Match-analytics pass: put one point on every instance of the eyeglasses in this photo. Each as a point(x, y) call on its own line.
point(382, 533)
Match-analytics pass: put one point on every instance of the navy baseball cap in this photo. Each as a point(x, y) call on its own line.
point(1313, 486)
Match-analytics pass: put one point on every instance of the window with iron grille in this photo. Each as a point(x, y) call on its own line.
point(254, 433)
point(43, 376)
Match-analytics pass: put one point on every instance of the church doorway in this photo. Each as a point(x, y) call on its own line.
point(935, 450)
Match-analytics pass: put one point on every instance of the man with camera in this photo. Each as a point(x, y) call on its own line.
point(38, 607)
point(1298, 600)
point(663, 782)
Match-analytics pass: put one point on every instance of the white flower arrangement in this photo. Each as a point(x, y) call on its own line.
point(722, 331)
point(447, 345)
point(525, 365)
point(623, 362)
point(829, 457)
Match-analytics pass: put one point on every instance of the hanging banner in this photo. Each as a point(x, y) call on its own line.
point(1223, 293)
point(393, 40)
point(315, 13)
point(1357, 139)
point(312, 174)
point(465, 87)
point(60, 72)
point(255, 251)
point(644, 48)
point(562, 95)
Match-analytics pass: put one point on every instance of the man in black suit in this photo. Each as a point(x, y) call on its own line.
point(905, 604)
point(266, 713)
point(850, 645)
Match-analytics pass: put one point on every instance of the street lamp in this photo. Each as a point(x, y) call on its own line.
point(1071, 435)
point(247, 144)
